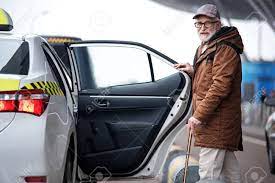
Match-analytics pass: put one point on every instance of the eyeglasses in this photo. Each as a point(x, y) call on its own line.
point(206, 24)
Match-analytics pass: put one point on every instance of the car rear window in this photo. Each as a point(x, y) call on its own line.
point(14, 57)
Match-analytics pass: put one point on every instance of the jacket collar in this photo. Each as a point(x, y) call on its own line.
point(210, 49)
point(223, 34)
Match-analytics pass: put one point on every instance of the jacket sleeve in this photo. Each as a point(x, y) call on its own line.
point(225, 66)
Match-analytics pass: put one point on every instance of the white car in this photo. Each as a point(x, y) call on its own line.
point(123, 101)
point(37, 123)
point(270, 133)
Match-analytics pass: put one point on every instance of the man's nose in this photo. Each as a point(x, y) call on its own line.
point(203, 27)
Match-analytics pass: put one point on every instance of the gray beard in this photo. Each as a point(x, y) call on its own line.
point(209, 37)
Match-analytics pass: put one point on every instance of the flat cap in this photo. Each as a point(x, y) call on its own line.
point(209, 10)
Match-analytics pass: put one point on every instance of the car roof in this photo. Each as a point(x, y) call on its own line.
point(8, 35)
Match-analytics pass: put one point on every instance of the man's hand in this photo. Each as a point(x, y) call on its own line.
point(193, 123)
point(185, 67)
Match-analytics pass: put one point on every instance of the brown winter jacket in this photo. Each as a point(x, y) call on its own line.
point(217, 91)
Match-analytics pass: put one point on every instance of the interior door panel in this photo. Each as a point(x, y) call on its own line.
point(116, 130)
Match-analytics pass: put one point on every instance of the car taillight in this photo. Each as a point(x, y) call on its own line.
point(28, 101)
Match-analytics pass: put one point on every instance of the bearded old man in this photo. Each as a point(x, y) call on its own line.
point(216, 96)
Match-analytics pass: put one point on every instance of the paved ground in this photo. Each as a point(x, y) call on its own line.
point(253, 160)
point(137, 181)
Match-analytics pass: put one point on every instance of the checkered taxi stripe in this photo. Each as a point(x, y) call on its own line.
point(50, 87)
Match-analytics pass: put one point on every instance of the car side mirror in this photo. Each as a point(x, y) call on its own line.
point(270, 101)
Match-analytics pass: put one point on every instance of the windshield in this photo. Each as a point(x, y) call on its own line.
point(14, 57)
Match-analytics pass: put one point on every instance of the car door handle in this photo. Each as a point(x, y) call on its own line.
point(102, 103)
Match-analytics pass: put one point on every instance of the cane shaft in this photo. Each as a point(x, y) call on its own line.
point(187, 156)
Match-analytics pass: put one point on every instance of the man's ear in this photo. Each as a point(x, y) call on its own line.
point(219, 25)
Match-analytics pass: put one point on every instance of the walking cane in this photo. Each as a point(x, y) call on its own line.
point(187, 156)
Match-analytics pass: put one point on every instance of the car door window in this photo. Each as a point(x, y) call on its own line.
point(59, 75)
point(101, 67)
point(65, 71)
point(161, 68)
point(54, 69)
point(61, 51)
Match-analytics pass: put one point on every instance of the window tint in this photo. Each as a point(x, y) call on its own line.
point(14, 57)
point(161, 68)
point(60, 63)
point(109, 66)
point(61, 51)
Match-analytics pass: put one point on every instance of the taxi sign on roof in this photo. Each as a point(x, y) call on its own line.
point(5, 21)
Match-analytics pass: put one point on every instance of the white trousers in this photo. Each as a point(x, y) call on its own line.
point(218, 165)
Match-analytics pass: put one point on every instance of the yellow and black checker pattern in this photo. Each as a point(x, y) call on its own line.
point(59, 40)
point(50, 87)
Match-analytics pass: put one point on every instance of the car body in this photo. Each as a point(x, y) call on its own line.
point(137, 120)
point(270, 133)
point(37, 124)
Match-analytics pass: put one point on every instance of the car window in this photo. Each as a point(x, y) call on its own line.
point(54, 70)
point(161, 68)
point(61, 51)
point(65, 71)
point(14, 57)
point(107, 66)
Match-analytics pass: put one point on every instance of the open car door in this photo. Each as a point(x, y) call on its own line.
point(131, 105)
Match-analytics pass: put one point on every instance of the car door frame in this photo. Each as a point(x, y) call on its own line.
point(69, 99)
point(173, 125)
